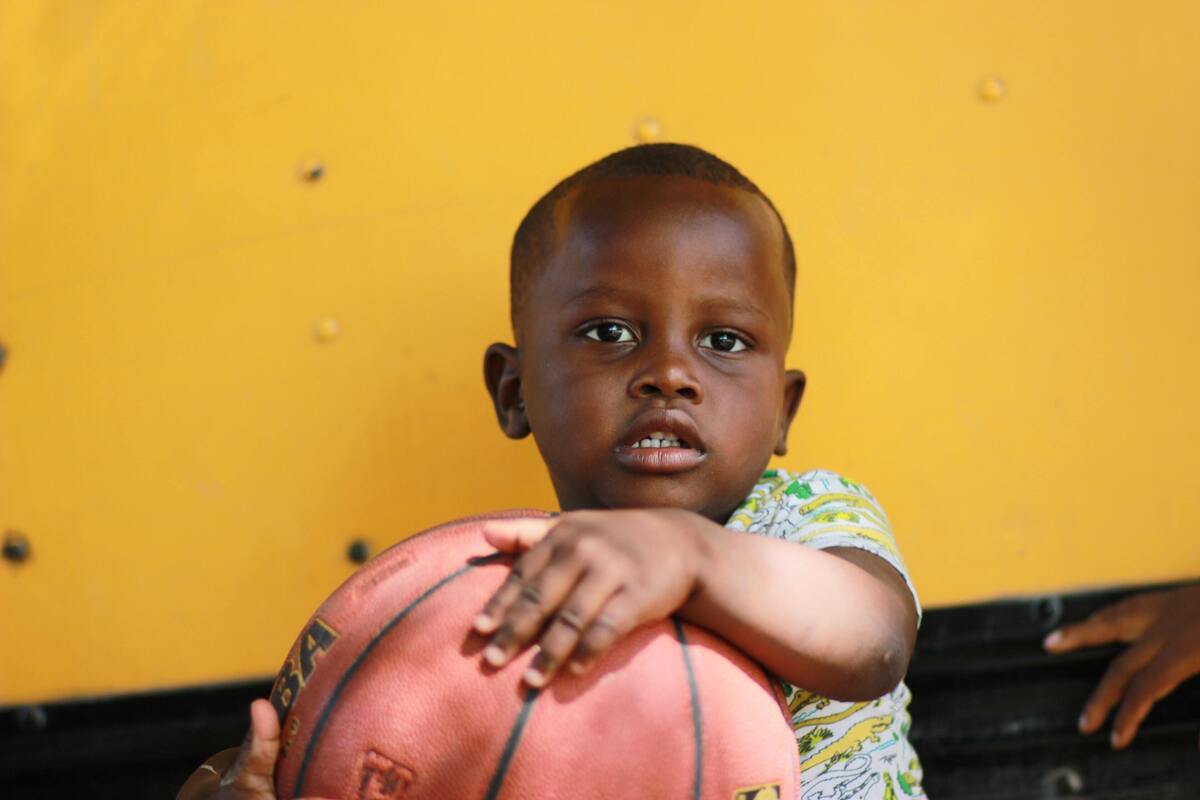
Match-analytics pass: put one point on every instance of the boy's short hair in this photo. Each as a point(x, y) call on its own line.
point(535, 240)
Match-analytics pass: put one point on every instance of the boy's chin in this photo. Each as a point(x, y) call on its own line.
point(662, 493)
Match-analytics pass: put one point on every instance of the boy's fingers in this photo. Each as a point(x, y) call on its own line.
point(564, 632)
point(1154, 682)
point(1099, 628)
point(1125, 621)
point(526, 569)
point(253, 772)
point(617, 619)
point(517, 535)
point(537, 600)
point(1112, 686)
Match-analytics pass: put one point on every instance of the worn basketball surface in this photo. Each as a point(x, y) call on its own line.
point(385, 695)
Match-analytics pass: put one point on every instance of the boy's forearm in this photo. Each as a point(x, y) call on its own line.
point(834, 623)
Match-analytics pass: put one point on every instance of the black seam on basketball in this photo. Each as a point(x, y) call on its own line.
point(510, 746)
point(354, 665)
point(697, 726)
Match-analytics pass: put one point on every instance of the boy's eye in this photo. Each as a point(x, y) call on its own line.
point(725, 341)
point(609, 332)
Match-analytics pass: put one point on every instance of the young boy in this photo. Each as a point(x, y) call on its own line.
point(652, 309)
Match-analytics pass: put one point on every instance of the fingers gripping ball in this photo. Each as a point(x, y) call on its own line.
point(385, 695)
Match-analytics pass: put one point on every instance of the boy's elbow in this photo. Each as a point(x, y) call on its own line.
point(889, 650)
point(880, 670)
point(892, 664)
point(869, 671)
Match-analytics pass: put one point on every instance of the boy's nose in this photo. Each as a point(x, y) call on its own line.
point(668, 373)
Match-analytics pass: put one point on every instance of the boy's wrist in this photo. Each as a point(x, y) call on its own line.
point(706, 539)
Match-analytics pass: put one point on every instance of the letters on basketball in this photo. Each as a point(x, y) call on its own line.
point(384, 696)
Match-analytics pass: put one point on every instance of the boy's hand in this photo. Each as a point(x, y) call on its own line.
point(1164, 629)
point(587, 578)
point(251, 775)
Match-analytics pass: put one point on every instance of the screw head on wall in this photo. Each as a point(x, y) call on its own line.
point(326, 330)
point(647, 129)
point(311, 170)
point(359, 551)
point(991, 89)
point(16, 549)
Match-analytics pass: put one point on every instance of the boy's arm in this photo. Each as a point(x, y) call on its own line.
point(840, 622)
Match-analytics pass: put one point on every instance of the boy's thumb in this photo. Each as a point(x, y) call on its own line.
point(517, 535)
point(254, 769)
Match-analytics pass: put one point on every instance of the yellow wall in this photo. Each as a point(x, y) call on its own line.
point(999, 300)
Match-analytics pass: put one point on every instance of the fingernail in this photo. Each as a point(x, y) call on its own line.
point(535, 678)
point(577, 667)
point(1053, 640)
point(1115, 741)
point(493, 655)
point(484, 624)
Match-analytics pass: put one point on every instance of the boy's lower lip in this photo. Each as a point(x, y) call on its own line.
point(659, 460)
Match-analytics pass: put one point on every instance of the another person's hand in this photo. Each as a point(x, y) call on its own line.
point(587, 578)
point(245, 773)
point(1163, 628)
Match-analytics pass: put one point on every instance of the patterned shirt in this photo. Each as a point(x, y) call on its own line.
point(847, 750)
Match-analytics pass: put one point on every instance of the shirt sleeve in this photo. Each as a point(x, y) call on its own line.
point(821, 509)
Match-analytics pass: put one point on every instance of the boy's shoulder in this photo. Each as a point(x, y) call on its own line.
point(783, 501)
point(821, 509)
point(781, 483)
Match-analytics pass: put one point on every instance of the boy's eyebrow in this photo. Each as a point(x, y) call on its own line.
point(598, 292)
point(715, 302)
point(721, 302)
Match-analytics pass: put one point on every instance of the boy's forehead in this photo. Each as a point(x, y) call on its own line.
point(626, 237)
point(619, 205)
point(636, 219)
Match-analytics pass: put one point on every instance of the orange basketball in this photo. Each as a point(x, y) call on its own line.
point(384, 695)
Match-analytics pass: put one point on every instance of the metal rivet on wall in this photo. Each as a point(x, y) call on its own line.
point(1048, 612)
point(991, 89)
point(647, 129)
point(312, 171)
point(327, 330)
point(1062, 782)
point(359, 551)
point(16, 547)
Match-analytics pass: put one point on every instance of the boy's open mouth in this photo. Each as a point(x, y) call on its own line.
point(661, 439)
point(661, 442)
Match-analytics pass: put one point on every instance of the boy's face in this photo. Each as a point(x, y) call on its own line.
point(664, 310)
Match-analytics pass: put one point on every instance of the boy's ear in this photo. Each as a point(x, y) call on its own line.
point(793, 390)
point(502, 374)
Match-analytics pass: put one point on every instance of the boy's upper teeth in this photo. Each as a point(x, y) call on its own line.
point(658, 439)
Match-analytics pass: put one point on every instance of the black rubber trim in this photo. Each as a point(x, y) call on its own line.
point(697, 725)
point(510, 746)
point(358, 660)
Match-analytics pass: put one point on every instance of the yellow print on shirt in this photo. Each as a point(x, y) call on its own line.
point(852, 741)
